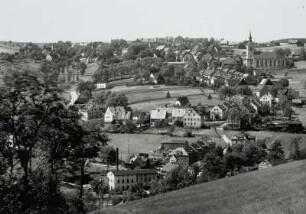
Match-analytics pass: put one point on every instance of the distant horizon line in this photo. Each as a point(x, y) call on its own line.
point(142, 38)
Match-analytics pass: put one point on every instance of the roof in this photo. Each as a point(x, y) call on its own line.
point(169, 167)
point(133, 172)
point(178, 112)
point(175, 142)
point(266, 82)
point(158, 114)
point(208, 72)
point(266, 55)
point(179, 151)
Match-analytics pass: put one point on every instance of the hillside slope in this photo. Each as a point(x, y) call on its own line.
point(280, 190)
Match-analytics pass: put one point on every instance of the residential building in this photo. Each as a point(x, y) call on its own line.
point(125, 179)
point(218, 112)
point(179, 156)
point(264, 165)
point(90, 111)
point(266, 99)
point(192, 119)
point(157, 115)
point(177, 114)
point(168, 168)
point(101, 85)
point(117, 113)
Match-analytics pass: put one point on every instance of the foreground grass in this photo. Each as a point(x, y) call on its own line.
point(280, 190)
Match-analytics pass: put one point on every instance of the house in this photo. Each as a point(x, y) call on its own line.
point(181, 101)
point(126, 179)
point(179, 156)
point(167, 146)
point(192, 119)
point(266, 99)
point(177, 114)
point(101, 85)
point(168, 168)
point(90, 111)
point(218, 112)
point(264, 165)
point(157, 115)
point(117, 113)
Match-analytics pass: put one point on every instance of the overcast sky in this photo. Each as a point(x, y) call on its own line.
point(103, 20)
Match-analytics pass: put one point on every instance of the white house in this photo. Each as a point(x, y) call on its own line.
point(101, 85)
point(117, 113)
point(218, 112)
point(192, 119)
point(125, 179)
point(267, 99)
point(157, 115)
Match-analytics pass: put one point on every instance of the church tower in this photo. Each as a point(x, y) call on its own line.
point(249, 52)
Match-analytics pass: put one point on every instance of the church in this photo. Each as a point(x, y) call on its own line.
point(264, 60)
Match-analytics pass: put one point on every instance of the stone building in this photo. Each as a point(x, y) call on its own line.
point(264, 60)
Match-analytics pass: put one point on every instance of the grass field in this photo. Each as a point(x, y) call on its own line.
point(278, 190)
point(143, 143)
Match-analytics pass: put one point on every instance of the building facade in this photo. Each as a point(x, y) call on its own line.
point(126, 179)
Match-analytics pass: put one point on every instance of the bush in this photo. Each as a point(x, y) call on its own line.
point(188, 133)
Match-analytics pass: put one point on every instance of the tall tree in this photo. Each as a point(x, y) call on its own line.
point(276, 151)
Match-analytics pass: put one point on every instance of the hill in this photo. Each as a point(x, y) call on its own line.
point(280, 189)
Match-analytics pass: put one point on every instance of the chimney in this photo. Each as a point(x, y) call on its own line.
point(117, 159)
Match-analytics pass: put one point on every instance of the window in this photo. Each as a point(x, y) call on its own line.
point(127, 180)
point(132, 180)
point(118, 181)
point(122, 180)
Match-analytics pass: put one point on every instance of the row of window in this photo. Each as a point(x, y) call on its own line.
point(132, 180)
point(196, 119)
point(190, 124)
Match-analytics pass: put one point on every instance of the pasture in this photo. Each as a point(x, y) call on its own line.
point(280, 189)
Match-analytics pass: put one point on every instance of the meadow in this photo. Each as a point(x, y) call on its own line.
point(280, 189)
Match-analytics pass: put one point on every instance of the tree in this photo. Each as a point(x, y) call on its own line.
point(244, 90)
point(84, 147)
point(117, 100)
point(213, 167)
point(108, 155)
point(209, 97)
point(295, 152)
point(100, 187)
point(82, 68)
point(253, 154)
point(276, 151)
point(168, 95)
point(227, 92)
point(234, 161)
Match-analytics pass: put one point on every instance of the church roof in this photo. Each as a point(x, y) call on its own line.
point(266, 55)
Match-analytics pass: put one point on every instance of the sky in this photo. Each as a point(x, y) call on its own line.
point(103, 20)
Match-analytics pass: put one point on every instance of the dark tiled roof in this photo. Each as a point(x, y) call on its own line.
point(134, 172)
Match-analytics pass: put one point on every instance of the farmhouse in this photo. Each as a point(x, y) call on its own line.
point(157, 115)
point(218, 112)
point(177, 115)
point(124, 180)
point(117, 113)
point(90, 111)
point(179, 156)
point(192, 119)
point(267, 99)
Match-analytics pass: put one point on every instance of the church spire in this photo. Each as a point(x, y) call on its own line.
point(250, 37)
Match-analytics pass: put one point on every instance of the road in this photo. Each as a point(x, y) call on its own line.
point(74, 95)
